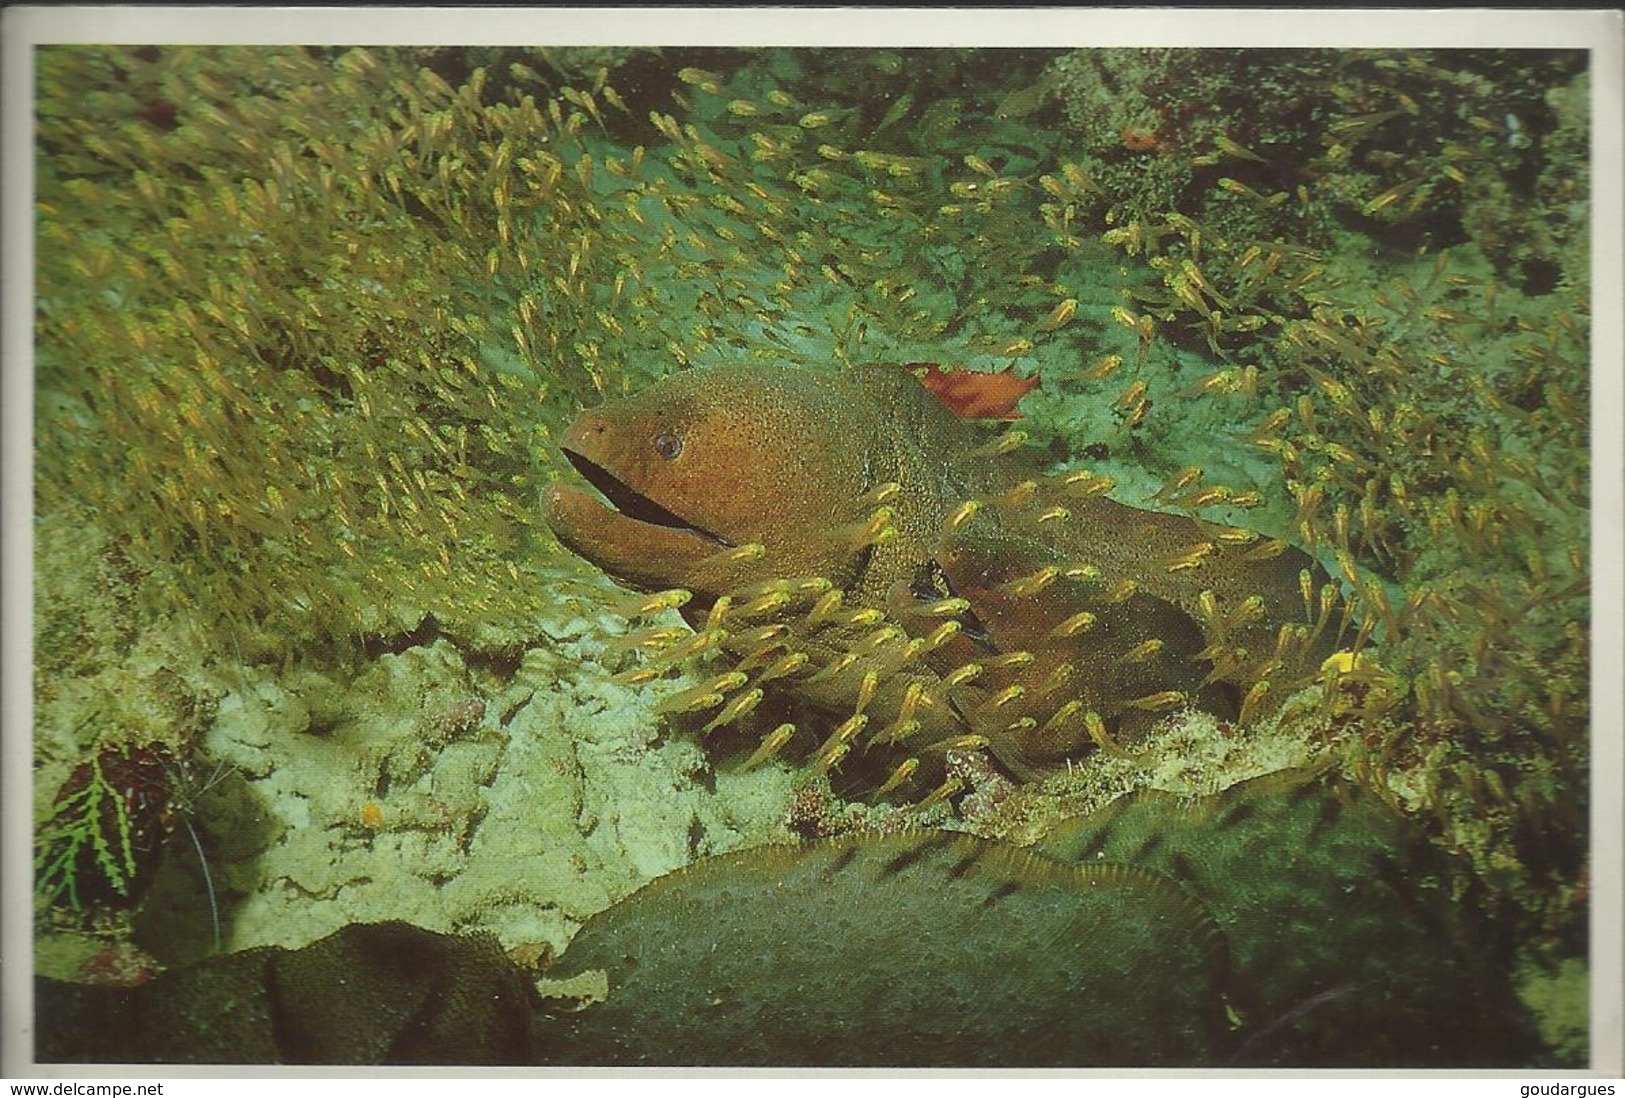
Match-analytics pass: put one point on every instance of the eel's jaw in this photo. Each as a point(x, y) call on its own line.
point(647, 548)
point(634, 505)
point(639, 554)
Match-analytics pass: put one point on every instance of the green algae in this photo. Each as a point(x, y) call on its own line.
point(1560, 999)
point(1449, 145)
point(309, 319)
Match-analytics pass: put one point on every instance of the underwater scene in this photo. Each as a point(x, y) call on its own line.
point(811, 557)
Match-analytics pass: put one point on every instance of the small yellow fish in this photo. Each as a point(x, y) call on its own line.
point(772, 743)
point(937, 796)
point(1072, 626)
point(735, 709)
point(1142, 652)
point(905, 770)
point(639, 606)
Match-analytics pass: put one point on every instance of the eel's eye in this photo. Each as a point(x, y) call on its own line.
point(668, 445)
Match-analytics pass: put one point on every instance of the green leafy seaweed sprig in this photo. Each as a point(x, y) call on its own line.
point(83, 820)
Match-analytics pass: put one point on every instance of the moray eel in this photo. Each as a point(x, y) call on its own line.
point(918, 949)
point(848, 538)
point(1293, 920)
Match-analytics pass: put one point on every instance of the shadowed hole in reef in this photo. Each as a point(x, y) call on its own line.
point(1540, 276)
point(233, 825)
point(426, 633)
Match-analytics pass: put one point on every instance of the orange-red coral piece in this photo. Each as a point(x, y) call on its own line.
point(971, 394)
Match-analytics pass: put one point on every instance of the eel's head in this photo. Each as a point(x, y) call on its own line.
point(701, 466)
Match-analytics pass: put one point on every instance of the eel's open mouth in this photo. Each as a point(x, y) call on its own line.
point(634, 504)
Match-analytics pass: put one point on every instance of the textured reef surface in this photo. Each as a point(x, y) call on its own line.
point(1283, 922)
point(960, 529)
point(1157, 931)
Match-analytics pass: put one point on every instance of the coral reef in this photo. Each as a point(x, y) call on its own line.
point(1159, 931)
point(311, 324)
point(918, 949)
point(556, 802)
point(1331, 905)
point(1425, 412)
point(119, 712)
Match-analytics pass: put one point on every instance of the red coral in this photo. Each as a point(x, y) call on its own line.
point(973, 394)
